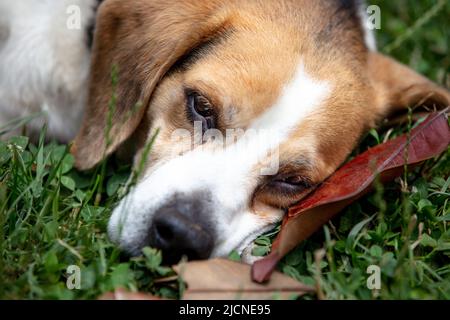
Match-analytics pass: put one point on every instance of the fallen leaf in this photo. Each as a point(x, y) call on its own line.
point(351, 182)
point(220, 279)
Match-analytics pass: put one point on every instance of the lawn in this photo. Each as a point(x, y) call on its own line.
point(52, 216)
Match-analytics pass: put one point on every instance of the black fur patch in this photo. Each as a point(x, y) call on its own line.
point(91, 27)
point(198, 52)
point(346, 13)
point(344, 25)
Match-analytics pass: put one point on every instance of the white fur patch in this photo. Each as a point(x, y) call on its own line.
point(227, 174)
point(44, 65)
point(369, 34)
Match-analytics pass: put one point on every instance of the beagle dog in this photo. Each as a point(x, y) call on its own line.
point(247, 105)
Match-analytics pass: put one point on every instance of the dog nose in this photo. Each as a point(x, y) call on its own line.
point(178, 230)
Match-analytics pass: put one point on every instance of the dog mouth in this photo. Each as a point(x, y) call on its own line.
point(246, 246)
point(247, 254)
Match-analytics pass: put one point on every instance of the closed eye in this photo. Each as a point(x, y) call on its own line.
point(289, 185)
point(200, 109)
point(284, 190)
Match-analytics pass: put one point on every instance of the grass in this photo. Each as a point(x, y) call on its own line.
point(52, 216)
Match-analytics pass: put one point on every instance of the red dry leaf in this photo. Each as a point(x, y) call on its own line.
point(351, 182)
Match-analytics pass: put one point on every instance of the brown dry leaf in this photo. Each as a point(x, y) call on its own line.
point(354, 180)
point(220, 279)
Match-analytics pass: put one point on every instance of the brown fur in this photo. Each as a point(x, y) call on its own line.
point(242, 75)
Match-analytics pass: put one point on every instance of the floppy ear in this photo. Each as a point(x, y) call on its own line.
point(398, 87)
point(141, 40)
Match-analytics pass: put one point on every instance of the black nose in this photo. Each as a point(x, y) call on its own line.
point(181, 228)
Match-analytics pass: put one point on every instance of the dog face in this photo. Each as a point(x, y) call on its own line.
point(255, 103)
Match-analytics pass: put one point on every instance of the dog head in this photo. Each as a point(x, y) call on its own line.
point(255, 103)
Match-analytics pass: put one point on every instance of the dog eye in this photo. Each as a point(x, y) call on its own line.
point(290, 184)
point(200, 109)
